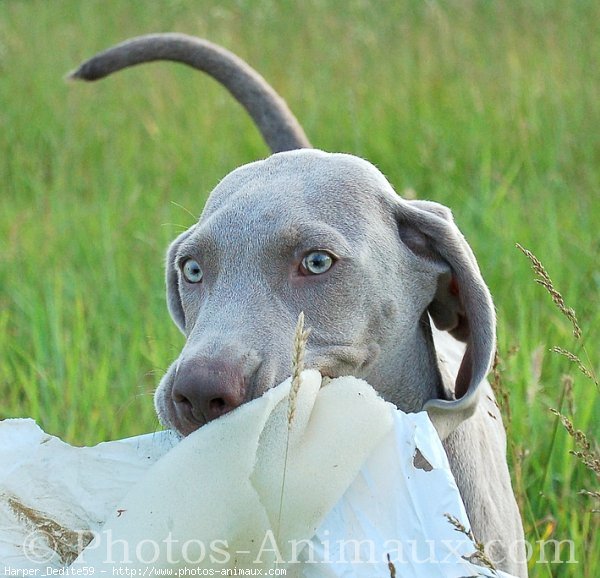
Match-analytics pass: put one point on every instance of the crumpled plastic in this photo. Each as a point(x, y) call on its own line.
point(53, 495)
point(347, 483)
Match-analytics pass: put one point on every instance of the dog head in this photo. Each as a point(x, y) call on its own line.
point(327, 235)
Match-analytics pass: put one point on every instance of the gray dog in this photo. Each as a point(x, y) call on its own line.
point(326, 234)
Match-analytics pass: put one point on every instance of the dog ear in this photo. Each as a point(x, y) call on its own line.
point(461, 305)
point(172, 279)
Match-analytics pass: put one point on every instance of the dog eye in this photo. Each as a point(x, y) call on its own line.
point(316, 263)
point(191, 271)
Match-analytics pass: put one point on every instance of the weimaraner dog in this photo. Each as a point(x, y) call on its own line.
point(305, 230)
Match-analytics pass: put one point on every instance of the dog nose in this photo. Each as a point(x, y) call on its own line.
point(203, 391)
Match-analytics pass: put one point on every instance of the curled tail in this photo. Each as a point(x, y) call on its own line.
point(277, 124)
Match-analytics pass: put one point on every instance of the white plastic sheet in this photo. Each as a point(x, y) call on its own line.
point(53, 494)
point(219, 501)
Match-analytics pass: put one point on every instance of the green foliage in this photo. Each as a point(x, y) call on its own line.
point(489, 107)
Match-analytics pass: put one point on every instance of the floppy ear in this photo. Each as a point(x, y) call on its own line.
point(462, 304)
point(172, 278)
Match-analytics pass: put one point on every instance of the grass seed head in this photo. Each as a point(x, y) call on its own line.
point(300, 340)
point(479, 556)
point(544, 280)
point(589, 456)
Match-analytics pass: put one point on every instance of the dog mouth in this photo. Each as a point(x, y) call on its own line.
point(343, 359)
point(331, 361)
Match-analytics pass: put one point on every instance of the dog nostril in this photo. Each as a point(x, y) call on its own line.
point(182, 400)
point(217, 406)
point(186, 407)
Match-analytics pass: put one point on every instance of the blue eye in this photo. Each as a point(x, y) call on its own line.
point(191, 271)
point(317, 262)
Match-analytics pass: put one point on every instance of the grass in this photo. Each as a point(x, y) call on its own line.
point(489, 107)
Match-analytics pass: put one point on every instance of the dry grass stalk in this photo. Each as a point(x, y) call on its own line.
point(300, 339)
point(519, 454)
point(299, 350)
point(478, 557)
point(589, 456)
point(572, 357)
point(391, 567)
point(544, 280)
point(567, 382)
point(501, 392)
point(595, 495)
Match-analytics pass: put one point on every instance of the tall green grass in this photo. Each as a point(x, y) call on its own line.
point(492, 108)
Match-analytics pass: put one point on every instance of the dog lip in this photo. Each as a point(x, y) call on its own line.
point(329, 374)
point(185, 427)
point(336, 360)
point(185, 432)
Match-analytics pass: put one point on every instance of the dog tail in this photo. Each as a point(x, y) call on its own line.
point(277, 124)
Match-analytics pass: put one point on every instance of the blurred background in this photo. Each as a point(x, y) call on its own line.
point(489, 107)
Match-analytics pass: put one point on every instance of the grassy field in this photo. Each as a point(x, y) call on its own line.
point(492, 108)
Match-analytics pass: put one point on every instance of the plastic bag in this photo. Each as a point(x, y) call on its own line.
point(348, 482)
